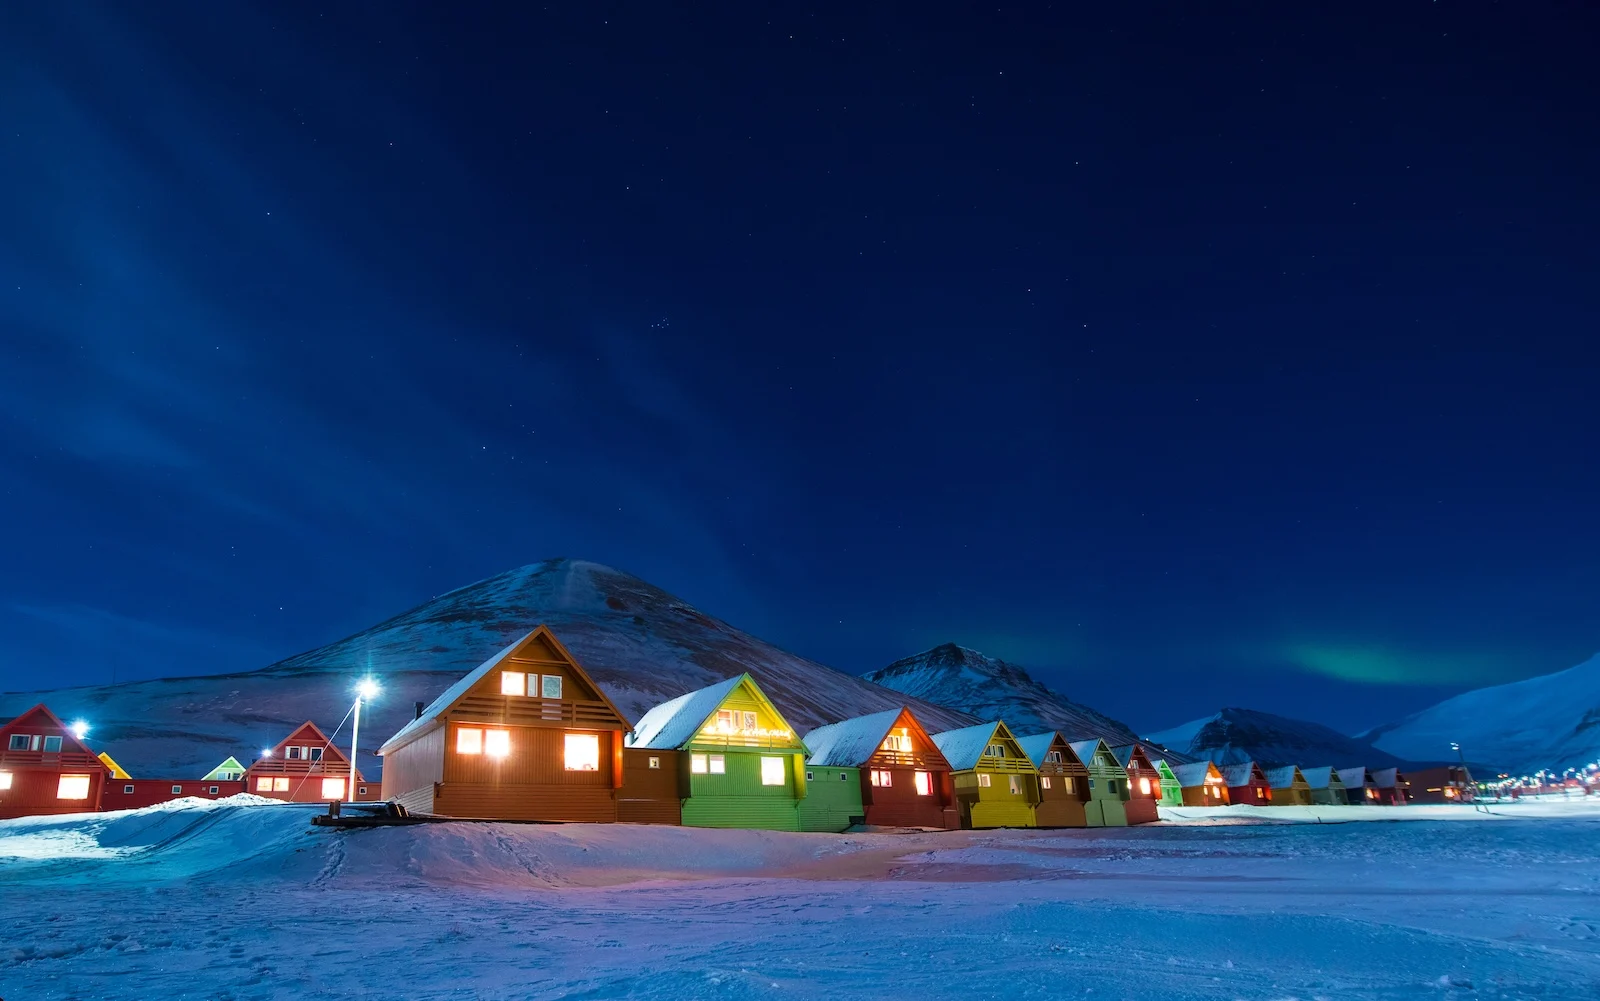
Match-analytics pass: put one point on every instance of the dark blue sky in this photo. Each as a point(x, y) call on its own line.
point(1189, 360)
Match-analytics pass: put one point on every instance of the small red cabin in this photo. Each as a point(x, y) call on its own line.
point(1247, 784)
point(1144, 783)
point(131, 794)
point(905, 779)
point(306, 767)
point(46, 769)
point(1444, 784)
point(1393, 788)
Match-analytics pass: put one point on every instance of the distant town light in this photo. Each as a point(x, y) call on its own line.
point(80, 729)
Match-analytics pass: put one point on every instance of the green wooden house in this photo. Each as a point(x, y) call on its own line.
point(1171, 788)
point(1108, 784)
point(229, 771)
point(833, 798)
point(995, 782)
point(743, 764)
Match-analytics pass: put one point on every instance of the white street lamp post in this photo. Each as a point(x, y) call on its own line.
point(367, 689)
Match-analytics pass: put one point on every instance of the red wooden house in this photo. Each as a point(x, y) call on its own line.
point(1393, 788)
point(131, 794)
point(306, 767)
point(1144, 783)
point(46, 769)
point(1444, 784)
point(905, 780)
point(526, 735)
point(1247, 784)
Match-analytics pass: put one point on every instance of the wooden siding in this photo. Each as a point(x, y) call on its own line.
point(563, 804)
point(741, 811)
point(1105, 813)
point(651, 795)
point(531, 782)
point(538, 757)
point(833, 799)
point(1256, 793)
point(36, 773)
point(414, 767)
point(1060, 813)
point(898, 805)
point(717, 800)
point(994, 814)
point(132, 794)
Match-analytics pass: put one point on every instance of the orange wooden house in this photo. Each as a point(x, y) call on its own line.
point(527, 735)
point(45, 768)
point(306, 767)
point(905, 780)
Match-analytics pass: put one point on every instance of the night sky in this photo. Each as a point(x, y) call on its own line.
point(1242, 358)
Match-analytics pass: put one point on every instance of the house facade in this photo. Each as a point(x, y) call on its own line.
point(45, 768)
point(1202, 784)
point(1392, 786)
point(1108, 784)
point(1359, 789)
point(1444, 784)
point(1289, 786)
point(131, 794)
point(996, 784)
point(1144, 783)
point(1171, 788)
point(1063, 780)
point(306, 767)
point(902, 778)
point(1247, 784)
point(1327, 789)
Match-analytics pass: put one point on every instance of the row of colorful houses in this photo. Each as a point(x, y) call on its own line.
point(529, 736)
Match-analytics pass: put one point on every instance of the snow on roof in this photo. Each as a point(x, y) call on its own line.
point(1035, 746)
point(1237, 775)
point(674, 723)
point(963, 747)
point(1386, 778)
point(1194, 774)
point(849, 743)
point(1319, 778)
point(1086, 749)
point(450, 695)
point(1281, 778)
point(1353, 777)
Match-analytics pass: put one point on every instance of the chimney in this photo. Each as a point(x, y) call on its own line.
point(419, 711)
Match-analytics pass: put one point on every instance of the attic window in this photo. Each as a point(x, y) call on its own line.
point(1054, 757)
point(550, 686)
point(898, 740)
point(295, 753)
point(19, 742)
point(314, 753)
point(52, 745)
point(513, 683)
point(994, 751)
point(924, 783)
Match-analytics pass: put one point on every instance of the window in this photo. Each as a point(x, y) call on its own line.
point(280, 784)
point(314, 753)
point(994, 751)
point(845, 778)
point(550, 686)
point(808, 776)
point(1053, 757)
point(655, 763)
point(295, 753)
point(1016, 784)
point(52, 745)
point(212, 790)
point(497, 743)
point(1044, 782)
point(5, 781)
point(882, 778)
point(983, 780)
point(469, 740)
point(750, 722)
point(263, 784)
point(73, 787)
point(697, 764)
point(898, 740)
point(19, 742)
point(177, 790)
point(513, 683)
point(361, 790)
point(719, 766)
point(127, 790)
point(1068, 787)
point(34, 742)
point(924, 783)
point(772, 771)
point(725, 723)
point(1144, 787)
point(333, 788)
point(1091, 783)
point(583, 752)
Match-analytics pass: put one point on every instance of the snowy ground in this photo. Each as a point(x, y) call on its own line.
point(222, 901)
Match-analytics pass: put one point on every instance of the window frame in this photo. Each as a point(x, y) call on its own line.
point(1044, 782)
point(545, 687)
point(768, 762)
point(55, 738)
point(469, 745)
point(923, 783)
point(75, 778)
point(717, 764)
point(567, 743)
point(985, 781)
point(177, 790)
point(699, 763)
point(653, 762)
point(127, 790)
point(19, 742)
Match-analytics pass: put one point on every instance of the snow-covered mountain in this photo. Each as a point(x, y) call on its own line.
point(639, 642)
point(1552, 721)
point(1233, 736)
point(990, 688)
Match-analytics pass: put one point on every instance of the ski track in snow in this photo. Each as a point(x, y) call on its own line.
point(247, 903)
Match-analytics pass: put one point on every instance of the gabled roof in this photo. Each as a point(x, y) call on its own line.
point(1124, 754)
point(1283, 778)
point(1353, 777)
point(1037, 745)
point(1194, 774)
point(450, 696)
point(1240, 774)
point(1321, 777)
point(230, 765)
point(117, 771)
point(849, 743)
point(68, 737)
point(1166, 769)
point(963, 748)
point(1087, 749)
point(1386, 778)
point(674, 724)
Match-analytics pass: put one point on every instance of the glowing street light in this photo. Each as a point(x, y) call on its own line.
point(366, 689)
point(80, 729)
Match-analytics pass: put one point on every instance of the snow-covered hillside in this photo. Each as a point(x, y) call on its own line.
point(1552, 721)
point(990, 688)
point(1233, 736)
point(644, 645)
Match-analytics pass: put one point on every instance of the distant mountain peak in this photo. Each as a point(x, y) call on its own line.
point(973, 682)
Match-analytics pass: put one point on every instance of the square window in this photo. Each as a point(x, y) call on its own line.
point(469, 740)
point(655, 762)
point(497, 743)
point(361, 790)
point(295, 753)
point(280, 784)
point(52, 745)
point(333, 788)
point(550, 686)
point(583, 752)
point(177, 790)
point(314, 753)
point(127, 790)
point(263, 784)
point(924, 783)
point(719, 764)
point(984, 780)
point(513, 683)
point(19, 742)
point(5, 781)
point(73, 787)
point(697, 764)
point(725, 721)
point(1044, 782)
point(213, 790)
point(772, 771)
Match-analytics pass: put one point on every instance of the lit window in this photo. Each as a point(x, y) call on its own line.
point(725, 722)
point(550, 686)
point(924, 783)
point(772, 771)
point(469, 740)
point(314, 753)
point(1144, 787)
point(52, 745)
point(19, 742)
point(294, 753)
point(719, 766)
point(177, 790)
point(1016, 785)
point(73, 787)
point(333, 788)
point(127, 790)
point(983, 779)
point(263, 784)
point(280, 784)
point(898, 740)
point(583, 752)
point(497, 743)
point(513, 683)
point(5, 781)
point(655, 762)
point(882, 778)
point(1068, 787)
point(1044, 782)
point(697, 764)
